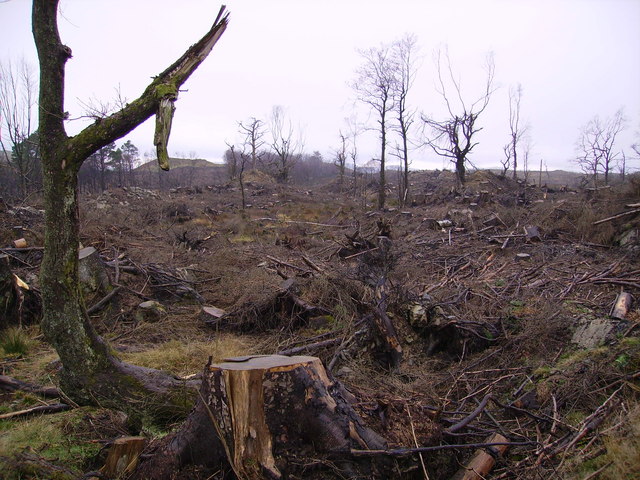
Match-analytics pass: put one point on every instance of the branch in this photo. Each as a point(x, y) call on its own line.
point(158, 98)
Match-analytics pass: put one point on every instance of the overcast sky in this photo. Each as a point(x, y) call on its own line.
point(574, 58)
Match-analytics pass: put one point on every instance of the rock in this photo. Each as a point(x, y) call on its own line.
point(150, 311)
point(592, 333)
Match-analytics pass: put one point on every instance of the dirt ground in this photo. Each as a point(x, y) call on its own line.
point(501, 298)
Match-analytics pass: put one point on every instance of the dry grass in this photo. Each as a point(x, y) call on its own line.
point(188, 357)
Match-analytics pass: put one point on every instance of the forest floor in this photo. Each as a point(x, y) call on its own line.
point(501, 298)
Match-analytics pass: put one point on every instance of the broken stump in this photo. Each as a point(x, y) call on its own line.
point(92, 274)
point(258, 415)
point(9, 295)
point(269, 407)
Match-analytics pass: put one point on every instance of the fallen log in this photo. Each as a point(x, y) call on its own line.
point(483, 460)
point(621, 306)
point(10, 384)
point(623, 214)
point(56, 407)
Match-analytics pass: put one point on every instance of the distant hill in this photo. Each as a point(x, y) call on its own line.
point(177, 163)
point(550, 178)
point(184, 172)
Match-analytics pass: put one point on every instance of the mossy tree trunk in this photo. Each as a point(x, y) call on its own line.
point(91, 371)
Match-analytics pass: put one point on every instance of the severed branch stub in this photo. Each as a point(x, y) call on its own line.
point(164, 117)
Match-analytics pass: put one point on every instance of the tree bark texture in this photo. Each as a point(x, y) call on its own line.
point(91, 372)
point(258, 415)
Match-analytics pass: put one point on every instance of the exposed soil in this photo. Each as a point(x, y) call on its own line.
point(486, 308)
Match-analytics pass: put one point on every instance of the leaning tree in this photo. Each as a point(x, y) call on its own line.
point(91, 371)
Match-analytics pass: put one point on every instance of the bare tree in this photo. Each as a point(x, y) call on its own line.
point(517, 131)
point(454, 137)
point(374, 87)
point(286, 146)
point(341, 158)
point(17, 101)
point(91, 372)
point(595, 146)
point(506, 161)
point(404, 59)
point(236, 163)
point(253, 131)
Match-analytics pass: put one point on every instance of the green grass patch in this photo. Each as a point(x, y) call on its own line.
point(48, 436)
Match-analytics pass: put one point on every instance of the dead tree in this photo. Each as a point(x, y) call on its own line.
point(595, 146)
point(516, 131)
point(404, 52)
point(455, 137)
point(254, 133)
point(374, 88)
point(285, 145)
point(341, 158)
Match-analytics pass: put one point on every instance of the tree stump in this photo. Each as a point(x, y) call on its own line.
point(260, 415)
point(269, 407)
point(94, 278)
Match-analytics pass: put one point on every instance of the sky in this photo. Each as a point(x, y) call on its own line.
point(574, 59)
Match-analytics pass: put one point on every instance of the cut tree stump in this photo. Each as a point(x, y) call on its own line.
point(93, 275)
point(260, 415)
point(269, 406)
point(123, 456)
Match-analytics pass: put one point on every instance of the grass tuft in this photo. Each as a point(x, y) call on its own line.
point(15, 341)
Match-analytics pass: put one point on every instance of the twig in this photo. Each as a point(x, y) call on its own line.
point(469, 418)
point(400, 452)
point(415, 441)
point(311, 346)
point(598, 472)
point(285, 264)
point(361, 253)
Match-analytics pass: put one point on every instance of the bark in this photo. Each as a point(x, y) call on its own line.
point(257, 415)
point(91, 372)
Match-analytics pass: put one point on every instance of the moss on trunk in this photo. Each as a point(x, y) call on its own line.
point(92, 373)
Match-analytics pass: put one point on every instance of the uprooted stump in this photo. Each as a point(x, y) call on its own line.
point(19, 305)
point(266, 417)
